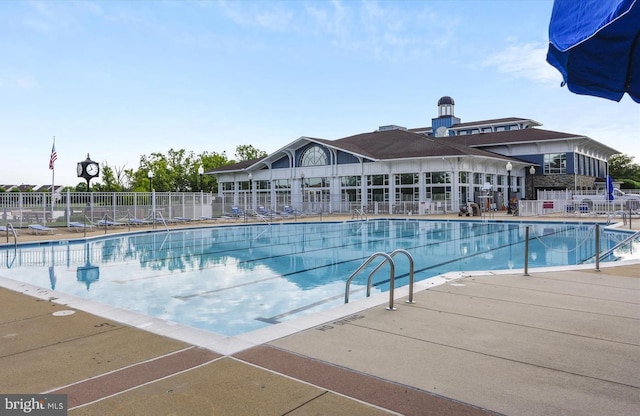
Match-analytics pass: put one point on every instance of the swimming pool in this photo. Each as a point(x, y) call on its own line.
point(235, 279)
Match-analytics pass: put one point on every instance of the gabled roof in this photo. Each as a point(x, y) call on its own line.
point(236, 166)
point(380, 146)
point(511, 136)
point(479, 123)
point(401, 144)
point(506, 120)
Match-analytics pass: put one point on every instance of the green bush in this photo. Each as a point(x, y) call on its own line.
point(629, 184)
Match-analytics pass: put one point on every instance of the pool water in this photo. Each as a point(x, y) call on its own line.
point(232, 280)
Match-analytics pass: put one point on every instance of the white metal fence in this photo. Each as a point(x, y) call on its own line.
point(41, 208)
point(22, 209)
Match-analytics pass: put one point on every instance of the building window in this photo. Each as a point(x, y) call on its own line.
point(407, 179)
point(555, 163)
point(318, 182)
point(347, 181)
point(227, 186)
point(407, 194)
point(437, 177)
point(377, 180)
point(262, 185)
point(282, 184)
point(378, 195)
point(313, 156)
point(463, 177)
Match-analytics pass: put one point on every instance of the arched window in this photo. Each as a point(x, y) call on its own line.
point(313, 156)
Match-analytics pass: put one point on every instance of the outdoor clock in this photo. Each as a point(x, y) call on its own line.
point(92, 169)
point(88, 169)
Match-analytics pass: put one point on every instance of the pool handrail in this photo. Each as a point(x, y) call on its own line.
point(158, 214)
point(9, 227)
point(359, 213)
point(411, 268)
point(617, 246)
point(392, 276)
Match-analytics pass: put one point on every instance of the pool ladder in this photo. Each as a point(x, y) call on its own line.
point(9, 228)
point(158, 214)
point(388, 258)
point(359, 214)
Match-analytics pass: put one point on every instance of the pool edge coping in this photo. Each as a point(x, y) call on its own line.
point(229, 345)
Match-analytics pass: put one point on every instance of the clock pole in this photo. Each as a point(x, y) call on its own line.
point(88, 169)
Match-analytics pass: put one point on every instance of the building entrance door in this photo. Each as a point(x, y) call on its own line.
point(316, 199)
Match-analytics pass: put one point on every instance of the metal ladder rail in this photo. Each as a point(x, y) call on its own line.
point(159, 214)
point(392, 276)
point(411, 269)
point(15, 255)
point(13, 231)
point(257, 215)
point(359, 213)
point(611, 250)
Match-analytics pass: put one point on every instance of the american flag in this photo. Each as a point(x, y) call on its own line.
point(54, 155)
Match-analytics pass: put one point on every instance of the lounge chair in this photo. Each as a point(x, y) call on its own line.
point(182, 219)
point(4, 229)
point(109, 223)
point(40, 229)
point(205, 218)
point(288, 211)
point(138, 221)
point(237, 212)
point(77, 226)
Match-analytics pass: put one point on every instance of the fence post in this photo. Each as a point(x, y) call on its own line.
point(67, 209)
point(597, 247)
point(526, 251)
point(153, 208)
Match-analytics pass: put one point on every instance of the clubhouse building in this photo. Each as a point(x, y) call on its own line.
point(438, 168)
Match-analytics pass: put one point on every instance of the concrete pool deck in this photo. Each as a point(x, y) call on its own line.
point(555, 342)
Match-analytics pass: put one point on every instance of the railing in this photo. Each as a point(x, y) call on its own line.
point(388, 258)
point(392, 274)
point(156, 215)
point(602, 256)
point(40, 208)
point(569, 207)
point(9, 228)
point(359, 214)
point(255, 214)
point(411, 268)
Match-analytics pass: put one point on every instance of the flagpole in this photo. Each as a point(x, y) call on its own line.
point(53, 176)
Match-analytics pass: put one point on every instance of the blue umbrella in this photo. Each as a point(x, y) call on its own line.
point(595, 46)
point(609, 188)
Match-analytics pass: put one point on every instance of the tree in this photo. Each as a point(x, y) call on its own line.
point(210, 161)
point(109, 183)
point(248, 152)
point(622, 167)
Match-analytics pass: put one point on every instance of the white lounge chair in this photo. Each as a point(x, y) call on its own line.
point(40, 229)
point(109, 223)
point(77, 226)
point(205, 218)
point(182, 219)
point(4, 229)
point(138, 221)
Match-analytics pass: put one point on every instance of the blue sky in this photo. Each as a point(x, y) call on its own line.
point(121, 79)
